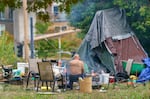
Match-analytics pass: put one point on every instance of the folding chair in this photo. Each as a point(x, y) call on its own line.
point(33, 71)
point(46, 74)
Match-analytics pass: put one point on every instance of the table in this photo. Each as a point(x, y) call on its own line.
point(61, 71)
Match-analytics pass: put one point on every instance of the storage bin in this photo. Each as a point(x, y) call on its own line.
point(136, 67)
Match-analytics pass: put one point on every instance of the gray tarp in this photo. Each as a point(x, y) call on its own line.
point(109, 23)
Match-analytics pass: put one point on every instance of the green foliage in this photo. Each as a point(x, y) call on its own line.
point(49, 47)
point(42, 27)
point(2, 7)
point(10, 3)
point(7, 55)
point(70, 43)
point(46, 48)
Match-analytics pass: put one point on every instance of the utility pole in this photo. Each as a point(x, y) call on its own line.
point(25, 30)
point(32, 40)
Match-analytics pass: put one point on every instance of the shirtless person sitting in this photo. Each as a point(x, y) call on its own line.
point(76, 70)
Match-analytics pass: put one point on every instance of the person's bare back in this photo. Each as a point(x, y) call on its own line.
point(76, 66)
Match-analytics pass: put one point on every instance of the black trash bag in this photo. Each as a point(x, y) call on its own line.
point(122, 76)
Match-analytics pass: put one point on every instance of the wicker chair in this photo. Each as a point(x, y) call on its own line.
point(47, 75)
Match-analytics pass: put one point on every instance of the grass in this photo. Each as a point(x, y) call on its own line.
point(121, 91)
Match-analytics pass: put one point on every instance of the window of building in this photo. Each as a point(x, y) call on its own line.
point(60, 28)
point(56, 10)
point(2, 16)
point(63, 28)
point(2, 28)
point(57, 29)
point(10, 14)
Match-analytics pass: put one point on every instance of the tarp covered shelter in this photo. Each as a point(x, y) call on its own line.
point(109, 41)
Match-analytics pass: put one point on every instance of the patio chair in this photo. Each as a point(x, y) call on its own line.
point(47, 75)
point(33, 71)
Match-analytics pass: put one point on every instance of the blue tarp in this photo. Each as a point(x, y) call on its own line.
point(145, 74)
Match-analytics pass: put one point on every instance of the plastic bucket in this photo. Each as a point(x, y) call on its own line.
point(86, 85)
point(104, 78)
point(21, 67)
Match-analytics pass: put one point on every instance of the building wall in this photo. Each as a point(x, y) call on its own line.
point(58, 19)
point(8, 26)
point(6, 20)
point(19, 24)
point(19, 27)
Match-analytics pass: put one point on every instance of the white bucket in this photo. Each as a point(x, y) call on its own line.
point(104, 78)
point(21, 66)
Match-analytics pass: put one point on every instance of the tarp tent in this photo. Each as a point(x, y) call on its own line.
point(109, 41)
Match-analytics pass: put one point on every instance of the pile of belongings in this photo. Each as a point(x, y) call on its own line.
point(145, 74)
point(16, 74)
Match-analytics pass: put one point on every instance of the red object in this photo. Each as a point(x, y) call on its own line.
point(111, 79)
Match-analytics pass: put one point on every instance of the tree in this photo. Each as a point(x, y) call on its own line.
point(38, 6)
point(82, 14)
point(49, 47)
point(137, 12)
point(42, 27)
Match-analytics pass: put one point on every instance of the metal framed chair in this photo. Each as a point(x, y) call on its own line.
point(46, 74)
point(33, 71)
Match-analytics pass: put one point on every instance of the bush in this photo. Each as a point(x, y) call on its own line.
point(7, 54)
